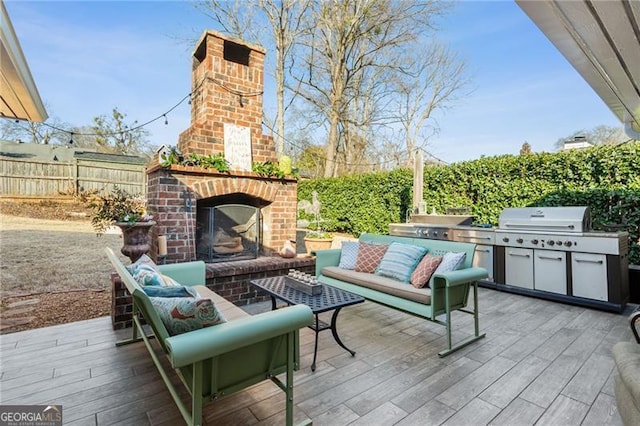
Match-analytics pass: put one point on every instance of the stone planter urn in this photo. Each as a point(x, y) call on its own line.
point(313, 244)
point(136, 238)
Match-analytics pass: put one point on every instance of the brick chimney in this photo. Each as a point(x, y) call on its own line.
point(227, 88)
point(226, 117)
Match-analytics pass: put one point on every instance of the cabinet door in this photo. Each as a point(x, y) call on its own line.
point(483, 258)
point(589, 276)
point(518, 265)
point(550, 271)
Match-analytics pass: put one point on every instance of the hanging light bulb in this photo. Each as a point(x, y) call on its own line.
point(166, 121)
point(71, 138)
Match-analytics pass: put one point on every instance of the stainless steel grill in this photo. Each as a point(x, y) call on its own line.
point(552, 252)
point(545, 219)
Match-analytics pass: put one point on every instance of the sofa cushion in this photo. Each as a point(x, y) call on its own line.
point(627, 359)
point(182, 314)
point(400, 261)
point(349, 254)
point(425, 269)
point(380, 283)
point(450, 262)
point(369, 257)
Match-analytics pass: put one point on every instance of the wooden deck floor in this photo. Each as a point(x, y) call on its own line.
point(541, 363)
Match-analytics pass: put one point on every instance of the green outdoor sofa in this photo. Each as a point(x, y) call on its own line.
point(448, 292)
point(224, 358)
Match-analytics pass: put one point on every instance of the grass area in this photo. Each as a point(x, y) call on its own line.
point(40, 255)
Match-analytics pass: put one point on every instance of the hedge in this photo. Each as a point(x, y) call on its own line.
point(606, 178)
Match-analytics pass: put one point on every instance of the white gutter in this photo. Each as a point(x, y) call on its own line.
point(19, 97)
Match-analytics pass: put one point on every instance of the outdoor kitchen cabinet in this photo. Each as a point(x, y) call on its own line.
point(589, 276)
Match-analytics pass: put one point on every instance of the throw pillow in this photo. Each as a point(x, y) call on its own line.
point(143, 260)
point(369, 257)
point(183, 314)
point(146, 272)
point(349, 254)
point(422, 274)
point(146, 275)
point(171, 291)
point(450, 262)
point(400, 261)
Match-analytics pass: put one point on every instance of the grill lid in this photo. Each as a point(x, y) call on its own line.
point(564, 219)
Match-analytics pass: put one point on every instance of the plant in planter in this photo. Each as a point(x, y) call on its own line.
point(127, 211)
point(316, 238)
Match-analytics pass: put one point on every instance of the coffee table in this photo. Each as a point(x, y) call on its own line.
point(331, 299)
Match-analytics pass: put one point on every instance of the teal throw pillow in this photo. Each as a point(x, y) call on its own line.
point(183, 314)
point(170, 291)
point(349, 254)
point(400, 260)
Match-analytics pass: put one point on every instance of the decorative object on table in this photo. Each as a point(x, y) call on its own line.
point(316, 238)
point(288, 250)
point(125, 210)
point(304, 282)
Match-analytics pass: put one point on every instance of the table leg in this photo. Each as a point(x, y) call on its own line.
point(273, 303)
point(315, 348)
point(334, 331)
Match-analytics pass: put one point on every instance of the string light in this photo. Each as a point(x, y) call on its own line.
point(166, 120)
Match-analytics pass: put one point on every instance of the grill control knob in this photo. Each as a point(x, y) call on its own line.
point(519, 241)
point(558, 243)
point(534, 242)
point(551, 242)
point(445, 234)
point(435, 233)
point(505, 239)
point(567, 243)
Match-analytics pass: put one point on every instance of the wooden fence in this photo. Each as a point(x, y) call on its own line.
point(21, 178)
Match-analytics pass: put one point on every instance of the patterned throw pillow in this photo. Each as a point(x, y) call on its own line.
point(422, 274)
point(450, 262)
point(400, 261)
point(183, 314)
point(369, 257)
point(146, 272)
point(349, 254)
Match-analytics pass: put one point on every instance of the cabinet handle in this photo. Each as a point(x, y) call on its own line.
point(550, 258)
point(519, 255)
point(469, 237)
point(599, 262)
point(484, 251)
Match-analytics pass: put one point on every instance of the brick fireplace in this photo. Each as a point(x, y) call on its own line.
point(226, 117)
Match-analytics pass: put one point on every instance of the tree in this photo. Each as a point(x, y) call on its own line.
point(348, 40)
point(49, 133)
point(435, 80)
point(113, 135)
point(599, 135)
point(525, 149)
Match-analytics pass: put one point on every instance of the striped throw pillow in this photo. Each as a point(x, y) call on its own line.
point(400, 261)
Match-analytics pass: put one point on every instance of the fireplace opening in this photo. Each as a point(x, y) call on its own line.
point(228, 232)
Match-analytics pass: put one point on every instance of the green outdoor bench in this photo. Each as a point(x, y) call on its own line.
point(448, 291)
point(224, 358)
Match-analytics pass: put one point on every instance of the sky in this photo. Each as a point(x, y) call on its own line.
point(87, 57)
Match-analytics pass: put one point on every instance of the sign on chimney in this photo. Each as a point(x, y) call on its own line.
point(237, 147)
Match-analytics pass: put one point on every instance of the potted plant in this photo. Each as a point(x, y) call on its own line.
point(316, 238)
point(125, 210)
